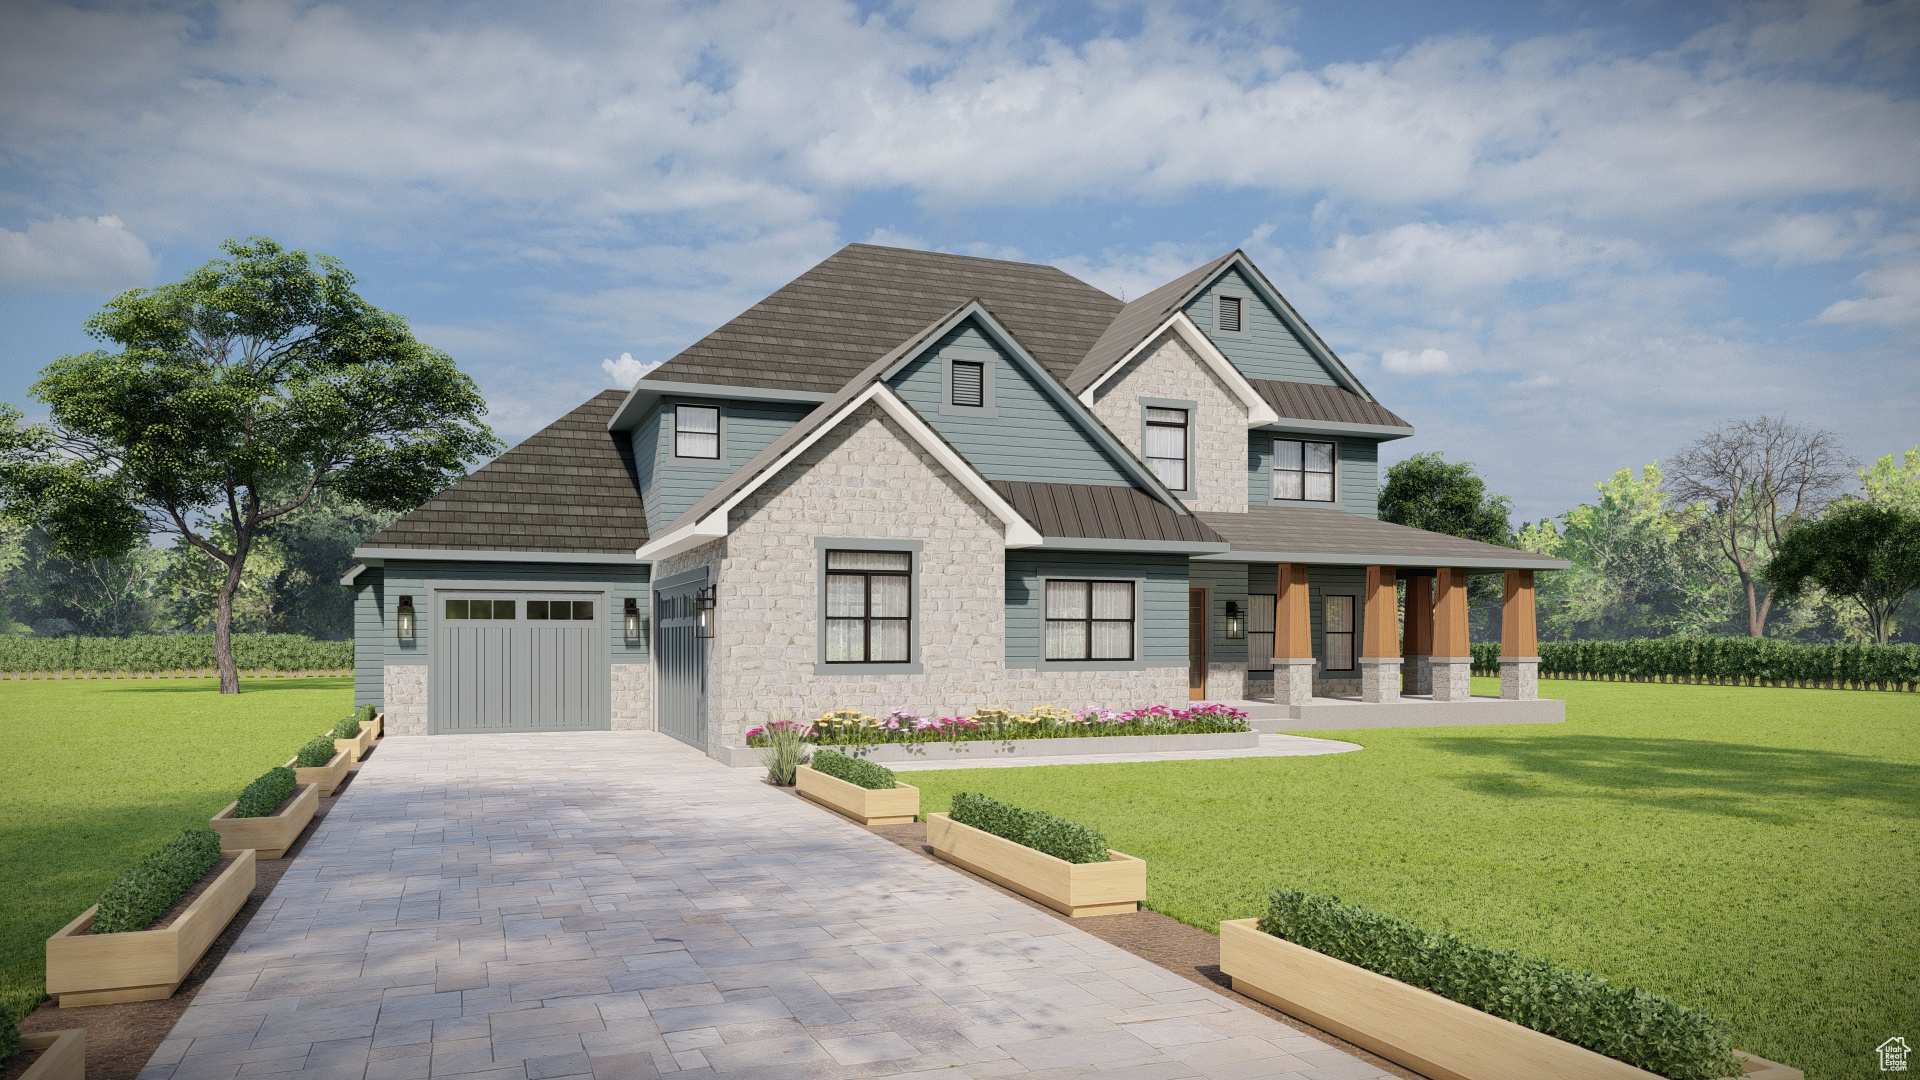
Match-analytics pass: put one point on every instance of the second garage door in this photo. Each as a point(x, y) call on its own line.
point(519, 662)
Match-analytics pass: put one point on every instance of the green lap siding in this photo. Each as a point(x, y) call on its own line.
point(1268, 350)
point(1345, 580)
point(369, 638)
point(1357, 481)
point(1162, 602)
point(1225, 583)
point(669, 485)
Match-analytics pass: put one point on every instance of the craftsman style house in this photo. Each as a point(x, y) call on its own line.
point(930, 483)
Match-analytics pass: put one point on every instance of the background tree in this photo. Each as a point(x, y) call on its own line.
point(238, 394)
point(43, 593)
point(1757, 479)
point(1427, 492)
point(1869, 554)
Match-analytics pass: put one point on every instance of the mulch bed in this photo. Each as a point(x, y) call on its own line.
point(19, 1063)
point(120, 1038)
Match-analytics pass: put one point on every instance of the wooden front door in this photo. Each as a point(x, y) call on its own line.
point(1196, 644)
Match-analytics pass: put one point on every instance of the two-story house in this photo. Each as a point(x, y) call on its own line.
point(926, 482)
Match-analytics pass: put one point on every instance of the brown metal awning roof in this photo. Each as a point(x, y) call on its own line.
point(1099, 512)
point(1291, 534)
point(1327, 405)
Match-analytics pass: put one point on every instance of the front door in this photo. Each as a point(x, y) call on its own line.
point(682, 664)
point(1196, 644)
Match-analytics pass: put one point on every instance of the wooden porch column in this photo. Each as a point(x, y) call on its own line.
point(1380, 638)
point(1416, 650)
point(1452, 660)
point(1519, 649)
point(1292, 636)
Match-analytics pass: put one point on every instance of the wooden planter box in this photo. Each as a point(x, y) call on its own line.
point(1427, 1033)
point(326, 777)
point(358, 745)
point(864, 805)
point(378, 724)
point(144, 965)
point(64, 1056)
point(1076, 890)
point(269, 836)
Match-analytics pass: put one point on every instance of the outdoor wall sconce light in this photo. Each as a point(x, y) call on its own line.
point(404, 617)
point(703, 613)
point(1236, 622)
point(636, 624)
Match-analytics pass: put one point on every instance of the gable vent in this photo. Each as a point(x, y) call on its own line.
point(968, 383)
point(1229, 316)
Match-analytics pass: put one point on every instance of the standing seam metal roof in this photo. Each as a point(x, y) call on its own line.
point(1101, 512)
point(1330, 404)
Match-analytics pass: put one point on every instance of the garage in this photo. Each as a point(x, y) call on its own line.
point(519, 661)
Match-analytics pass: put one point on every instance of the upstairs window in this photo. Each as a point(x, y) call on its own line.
point(969, 384)
point(869, 607)
point(1166, 446)
point(1089, 620)
point(1303, 470)
point(696, 432)
point(1227, 317)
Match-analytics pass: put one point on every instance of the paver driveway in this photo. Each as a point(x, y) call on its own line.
point(617, 906)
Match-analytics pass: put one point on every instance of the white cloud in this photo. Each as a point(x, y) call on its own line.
point(1893, 300)
point(1424, 362)
point(1462, 258)
point(1807, 238)
point(95, 254)
point(626, 371)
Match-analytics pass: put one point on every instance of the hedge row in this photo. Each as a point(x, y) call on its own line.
point(264, 796)
point(1575, 1006)
point(853, 770)
point(145, 892)
point(1042, 832)
point(1736, 660)
point(170, 653)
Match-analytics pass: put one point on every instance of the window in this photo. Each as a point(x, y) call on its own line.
point(869, 607)
point(1303, 470)
point(696, 431)
point(1089, 620)
point(556, 610)
point(1260, 613)
point(969, 384)
point(1166, 440)
point(1338, 613)
point(1227, 316)
point(480, 609)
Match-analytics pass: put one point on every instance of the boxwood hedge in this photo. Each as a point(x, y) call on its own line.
point(316, 753)
point(365, 714)
point(264, 796)
point(1579, 1007)
point(1042, 832)
point(853, 770)
point(347, 729)
point(1722, 660)
point(147, 890)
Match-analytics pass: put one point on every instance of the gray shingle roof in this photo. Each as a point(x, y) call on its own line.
point(1101, 512)
point(1138, 319)
point(825, 326)
point(571, 487)
point(1313, 535)
point(1330, 404)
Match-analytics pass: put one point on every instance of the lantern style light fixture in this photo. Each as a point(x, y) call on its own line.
point(703, 613)
point(636, 625)
point(404, 619)
point(1236, 621)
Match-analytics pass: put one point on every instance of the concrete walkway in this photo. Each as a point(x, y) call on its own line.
point(1270, 746)
point(616, 907)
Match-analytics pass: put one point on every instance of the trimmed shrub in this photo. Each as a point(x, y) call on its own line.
point(1633, 1026)
point(264, 796)
point(1042, 832)
point(1720, 659)
point(316, 753)
point(853, 770)
point(145, 892)
point(170, 652)
point(347, 729)
point(365, 714)
point(9, 1032)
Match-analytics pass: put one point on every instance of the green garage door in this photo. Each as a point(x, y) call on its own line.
point(521, 661)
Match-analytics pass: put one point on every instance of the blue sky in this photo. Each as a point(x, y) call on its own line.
point(1560, 238)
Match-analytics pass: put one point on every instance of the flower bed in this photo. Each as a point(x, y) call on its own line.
point(849, 727)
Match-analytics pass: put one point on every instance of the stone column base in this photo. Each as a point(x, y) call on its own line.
point(1379, 678)
point(1293, 680)
point(1520, 678)
point(1452, 677)
point(1416, 674)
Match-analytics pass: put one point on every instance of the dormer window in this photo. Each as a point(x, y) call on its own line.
point(1303, 470)
point(1229, 315)
point(1166, 446)
point(696, 431)
point(969, 384)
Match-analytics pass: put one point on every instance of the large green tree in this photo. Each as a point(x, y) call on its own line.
point(1867, 553)
point(237, 395)
point(1427, 492)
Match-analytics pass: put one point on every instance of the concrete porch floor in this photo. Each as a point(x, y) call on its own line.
point(1412, 710)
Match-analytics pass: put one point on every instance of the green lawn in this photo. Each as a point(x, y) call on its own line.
point(98, 773)
point(1751, 852)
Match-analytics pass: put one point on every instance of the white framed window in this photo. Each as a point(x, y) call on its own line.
point(1337, 628)
point(1166, 445)
point(1089, 620)
point(869, 607)
point(696, 431)
point(1303, 470)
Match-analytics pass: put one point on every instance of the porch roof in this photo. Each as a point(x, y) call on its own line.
point(1289, 534)
point(1108, 516)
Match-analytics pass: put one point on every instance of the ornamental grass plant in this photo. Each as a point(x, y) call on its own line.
point(262, 797)
point(146, 891)
point(1633, 1026)
point(1042, 832)
point(316, 753)
point(850, 727)
point(783, 750)
point(857, 771)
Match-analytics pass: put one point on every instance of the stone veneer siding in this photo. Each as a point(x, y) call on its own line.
point(1169, 369)
point(633, 697)
point(869, 480)
point(405, 695)
point(1228, 682)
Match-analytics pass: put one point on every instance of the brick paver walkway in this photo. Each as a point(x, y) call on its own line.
point(616, 907)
